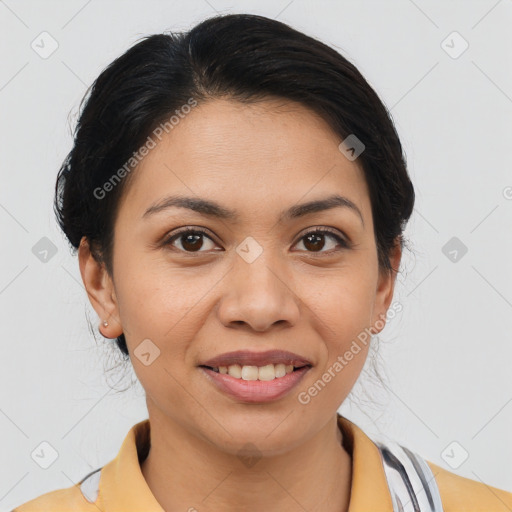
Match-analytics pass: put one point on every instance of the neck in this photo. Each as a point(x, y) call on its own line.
point(185, 472)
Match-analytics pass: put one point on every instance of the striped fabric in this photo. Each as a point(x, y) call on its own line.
point(90, 486)
point(410, 480)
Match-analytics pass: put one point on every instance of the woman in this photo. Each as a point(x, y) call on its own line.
point(237, 195)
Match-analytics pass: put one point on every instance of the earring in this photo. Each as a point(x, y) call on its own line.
point(105, 323)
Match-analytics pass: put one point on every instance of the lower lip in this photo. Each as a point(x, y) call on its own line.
point(256, 391)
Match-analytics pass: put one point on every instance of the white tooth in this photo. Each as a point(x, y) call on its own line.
point(280, 370)
point(235, 370)
point(249, 372)
point(266, 372)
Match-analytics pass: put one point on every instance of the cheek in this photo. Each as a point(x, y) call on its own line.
point(342, 312)
point(152, 296)
point(342, 322)
point(163, 305)
point(159, 313)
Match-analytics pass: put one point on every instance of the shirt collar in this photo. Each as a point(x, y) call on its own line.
point(369, 489)
point(123, 487)
point(122, 484)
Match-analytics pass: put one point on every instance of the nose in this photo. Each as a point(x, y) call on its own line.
point(259, 295)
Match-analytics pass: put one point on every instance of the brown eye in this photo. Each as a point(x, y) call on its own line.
point(315, 241)
point(191, 240)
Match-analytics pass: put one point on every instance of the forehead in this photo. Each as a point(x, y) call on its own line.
point(249, 156)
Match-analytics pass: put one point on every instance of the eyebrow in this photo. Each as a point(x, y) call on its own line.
point(212, 209)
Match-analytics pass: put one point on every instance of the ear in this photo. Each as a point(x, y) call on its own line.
point(385, 289)
point(100, 290)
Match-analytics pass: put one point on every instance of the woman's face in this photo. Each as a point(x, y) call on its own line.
point(258, 281)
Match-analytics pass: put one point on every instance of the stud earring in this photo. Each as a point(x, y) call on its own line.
point(105, 323)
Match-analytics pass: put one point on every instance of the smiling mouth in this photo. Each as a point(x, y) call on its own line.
point(249, 372)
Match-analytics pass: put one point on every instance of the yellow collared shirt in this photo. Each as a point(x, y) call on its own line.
point(119, 486)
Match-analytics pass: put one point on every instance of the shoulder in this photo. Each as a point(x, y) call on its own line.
point(419, 484)
point(461, 494)
point(71, 498)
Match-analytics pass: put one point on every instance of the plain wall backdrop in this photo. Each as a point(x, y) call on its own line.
point(444, 69)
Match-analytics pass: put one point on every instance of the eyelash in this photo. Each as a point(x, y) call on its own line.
point(199, 231)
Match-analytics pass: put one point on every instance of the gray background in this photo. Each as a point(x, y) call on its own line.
point(446, 355)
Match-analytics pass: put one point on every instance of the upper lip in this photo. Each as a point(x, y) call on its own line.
point(248, 358)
